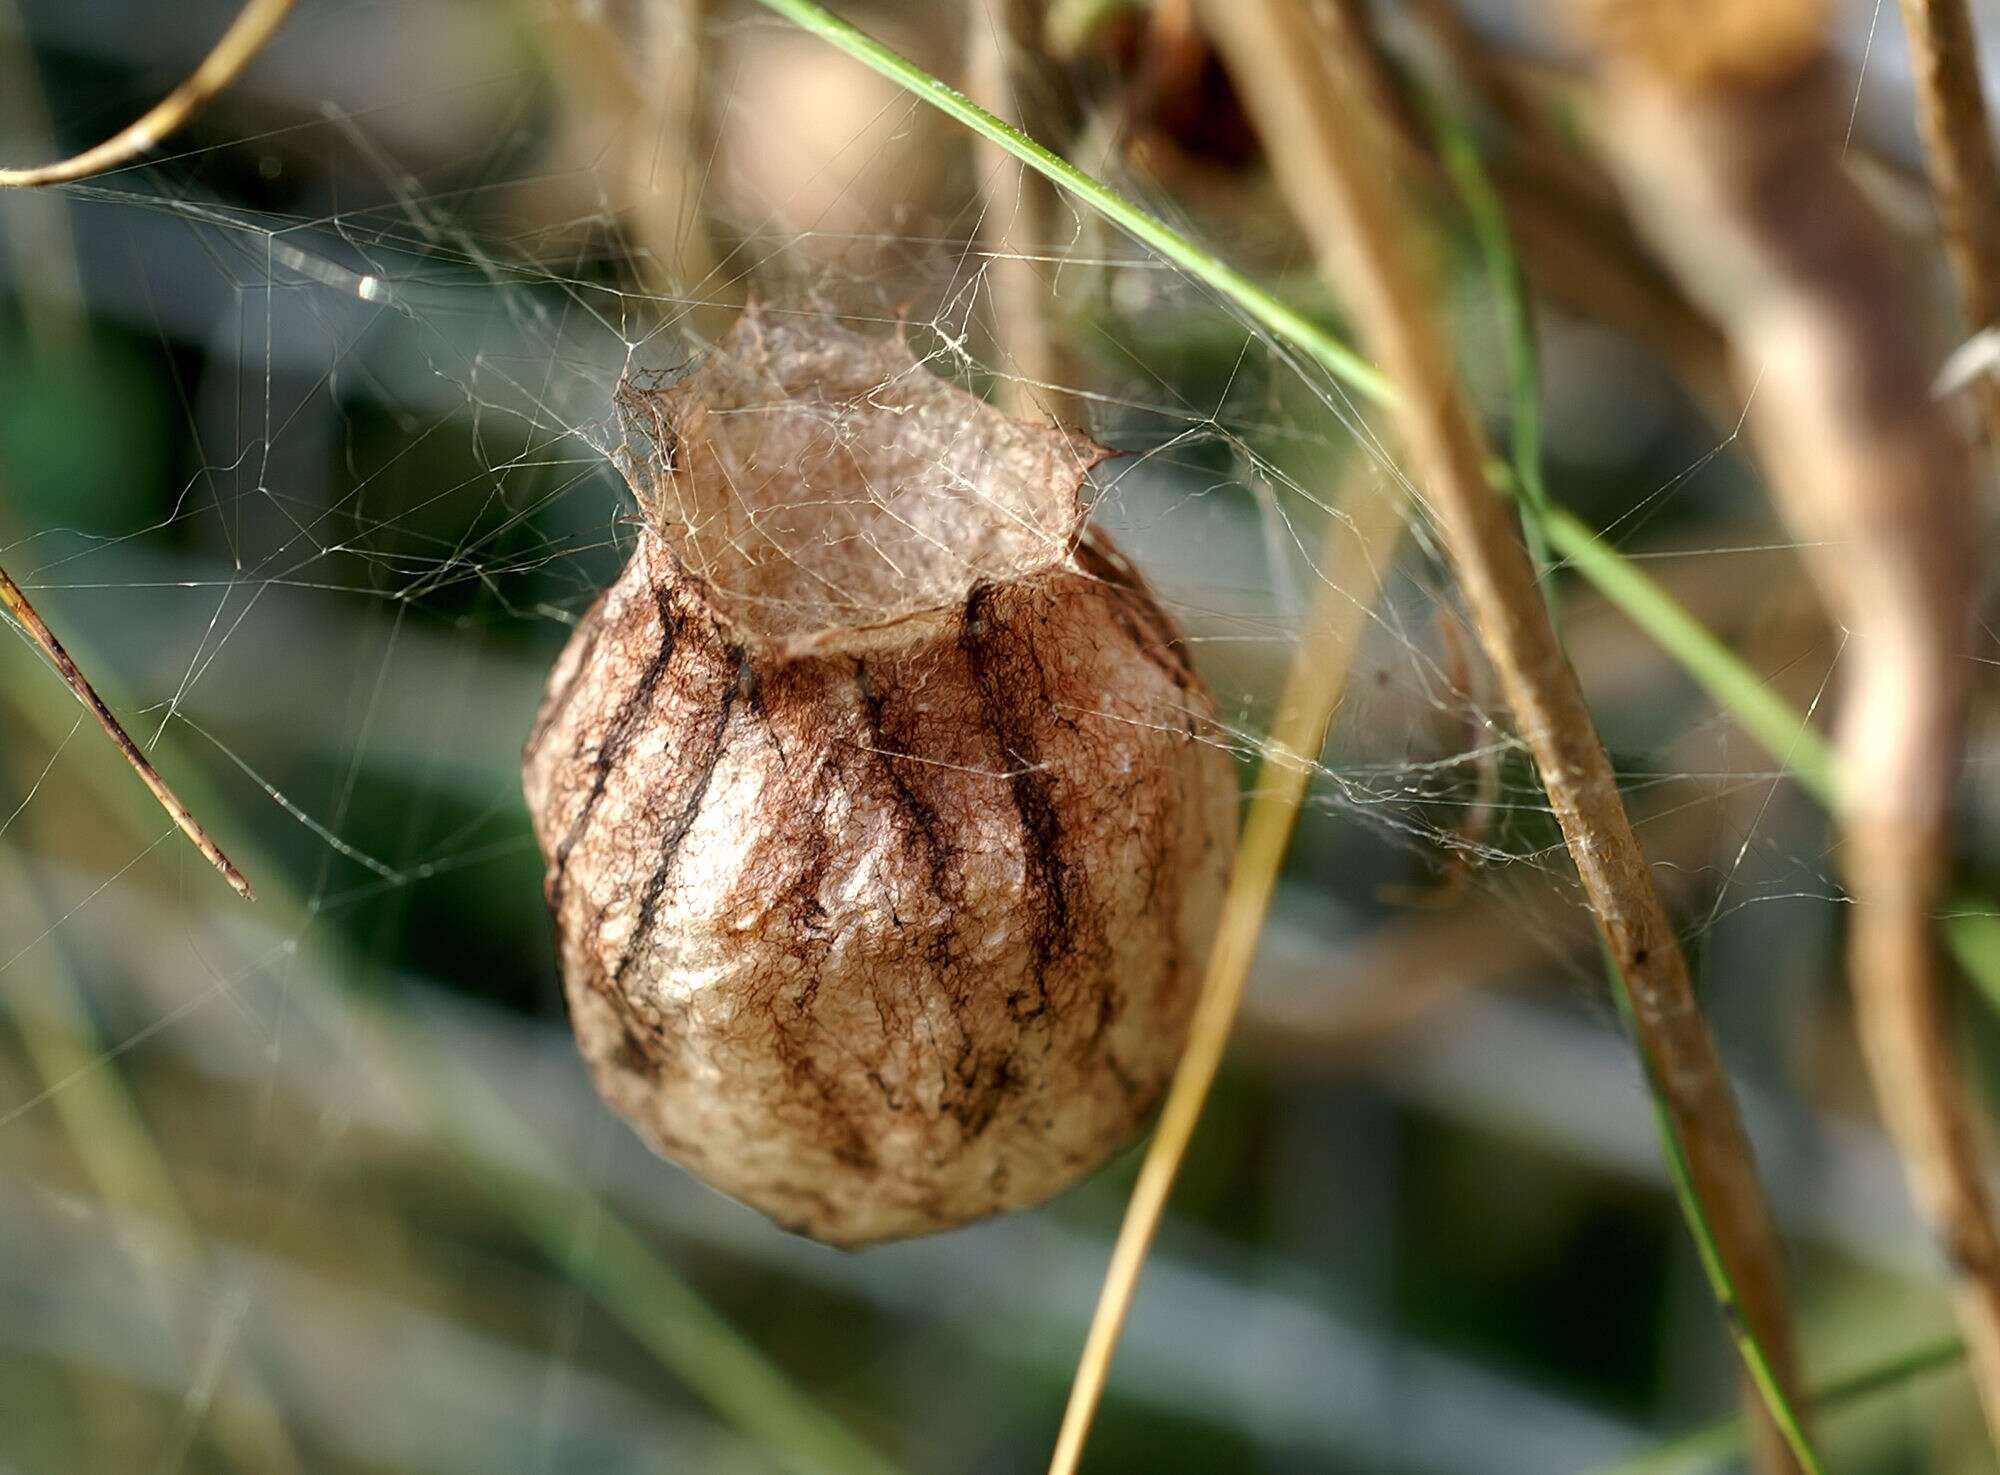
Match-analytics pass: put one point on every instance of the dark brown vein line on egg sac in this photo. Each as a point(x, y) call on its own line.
point(618, 733)
point(921, 822)
point(1033, 797)
point(690, 809)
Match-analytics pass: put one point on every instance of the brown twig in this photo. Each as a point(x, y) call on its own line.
point(1964, 173)
point(16, 604)
point(1727, 119)
point(1325, 148)
point(242, 41)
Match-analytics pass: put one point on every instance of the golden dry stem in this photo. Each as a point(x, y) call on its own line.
point(884, 832)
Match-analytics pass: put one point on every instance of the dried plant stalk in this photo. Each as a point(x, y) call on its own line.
point(637, 78)
point(245, 37)
point(1576, 243)
point(885, 834)
point(1326, 149)
point(1964, 172)
point(1727, 120)
point(1007, 70)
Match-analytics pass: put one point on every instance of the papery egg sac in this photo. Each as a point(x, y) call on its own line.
point(885, 821)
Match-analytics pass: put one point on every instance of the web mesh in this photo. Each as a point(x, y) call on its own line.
point(313, 435)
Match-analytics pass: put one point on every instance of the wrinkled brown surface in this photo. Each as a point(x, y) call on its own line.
point(878, 930)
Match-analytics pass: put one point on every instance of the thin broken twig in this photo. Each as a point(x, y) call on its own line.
point(16, 604)
point(245, 37)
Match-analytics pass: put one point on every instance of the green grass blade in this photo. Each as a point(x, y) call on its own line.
point(1972, 932)
point(1705, 1447)
point(627, 1277)
point(1756, 1360)
point(1262, 306)
point(1483, 211)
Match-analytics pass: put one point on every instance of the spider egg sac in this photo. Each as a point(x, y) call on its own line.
point(885, 832)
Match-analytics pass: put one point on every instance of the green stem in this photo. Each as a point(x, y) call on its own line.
point(1488, 219)
point(1705, 1447)
point(626, 1277)
point(1280, 317)
point(1756, 1361)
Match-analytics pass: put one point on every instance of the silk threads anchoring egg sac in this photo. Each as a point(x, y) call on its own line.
point(885, 818)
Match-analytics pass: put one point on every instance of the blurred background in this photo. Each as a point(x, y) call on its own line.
point(303, 435)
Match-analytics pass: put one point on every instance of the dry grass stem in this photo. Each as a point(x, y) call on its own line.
point(17, 605)
point(1576, 244)
point(1019, 211)
point(1359, 546)
point(1735, 163)
point(638, 85)
point(1964, 173)
point(1328, 156)
point(245, 37)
